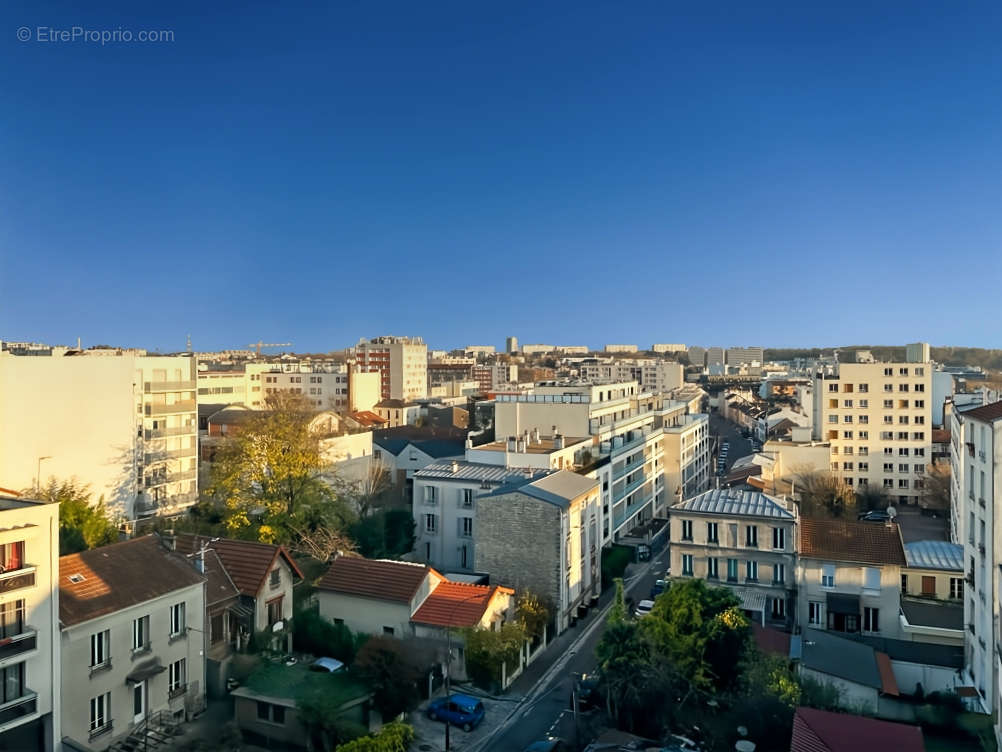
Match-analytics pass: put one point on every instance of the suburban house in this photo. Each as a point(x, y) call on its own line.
point(823, 731)
point(932, 592)
point(849, 576)
point(30, 697)
point(741, 539)
point(542, 534)
point(132, 621)
point(406, 600)
point(248, 591)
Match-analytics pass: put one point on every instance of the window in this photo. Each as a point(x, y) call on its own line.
point(847, 435)
point(827, 575)
point(904, 584)
point(903, 388)
point(11, 556)
point(779, 538)
point(175, 677)
point(466, 527)
point(751, 571)
point(751, 536)
point(919, 403)
point(177, 618)
point(871, 578)
point(863, 388)
point(100, 654)
point(902, 451)
point(863, 467)
point(275, 578)
point(871, 619)
point(11, 619)
point(864, 419)
point(388, 631)
point(920, 387)
point(687, 564)
point(888, 387)
point(779, 573)
point(833, 419)
point(467, 500)
point(430, 494)
point(712, 569)
point(847, 403)
point(140, 633)
point(847, 466)
point(779, 608)
point(956, 588)
point(888, 483)
point(888, 467)
point(847, 419)
point(712, 535)
point(833, 387)
point(687, 530)
point(888, 404)
point(815, 614)
point(430, 523)
point(732, 570)
point(271, 713)
point(864, 404)
point(100, 713)
point(863, 435)
point(274, 610)
point(928, 585)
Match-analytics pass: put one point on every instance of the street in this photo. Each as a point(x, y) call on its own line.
point(546, 711)
point(724, 430)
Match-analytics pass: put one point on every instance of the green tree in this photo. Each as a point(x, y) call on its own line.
point(384, 534)
point(391, 671)
point(623, 655)
point(82, 524)
point(487, 650)
point(618, 611)
point(532, 613)
point(393, 737)
point(268, 475)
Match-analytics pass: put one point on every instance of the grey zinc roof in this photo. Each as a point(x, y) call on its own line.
point(559, 488)
point(728, 501)
point(930, 613)
point(475, 471)
point(934, 554)
point(836, 656)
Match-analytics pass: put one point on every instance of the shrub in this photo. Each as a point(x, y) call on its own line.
point(393, 737)
point(314, 634)
point(615, 559)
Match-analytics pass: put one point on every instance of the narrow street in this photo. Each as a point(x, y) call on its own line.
point(724, 430)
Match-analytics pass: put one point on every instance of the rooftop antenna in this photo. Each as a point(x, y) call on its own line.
point(188, 343)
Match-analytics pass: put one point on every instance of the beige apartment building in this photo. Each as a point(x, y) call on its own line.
point(877, 418)
point(743, 540)
point(30, 701)
point(401, 362)
point(124, 424)
point(133, 642)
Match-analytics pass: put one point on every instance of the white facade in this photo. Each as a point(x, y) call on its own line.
point(877, 418)
point(124, 424)
point(621, 348)
point(651, 375)
point(30, 714)
point(667, 348)
point(402, 363)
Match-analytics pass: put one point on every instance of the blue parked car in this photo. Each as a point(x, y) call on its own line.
point(459, 710)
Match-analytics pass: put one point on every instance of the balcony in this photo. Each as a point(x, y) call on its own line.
point(19, 643)
point(168, 386)
point(628, 489)
point(23, 706)
point(159, 480)
point(162, 433)
point(17, 579)
point(152, 506)
point(185, 406)
point(169, 454)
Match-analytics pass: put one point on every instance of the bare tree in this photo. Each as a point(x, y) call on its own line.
point(322, 543)
point(936, 483)
point(823, 495)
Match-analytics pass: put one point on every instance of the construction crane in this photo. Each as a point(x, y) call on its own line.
point(259, 344)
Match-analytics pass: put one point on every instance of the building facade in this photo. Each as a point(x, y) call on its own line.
point(402, 363)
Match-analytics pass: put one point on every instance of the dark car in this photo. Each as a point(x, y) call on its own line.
point(587, 691)
point(659, 587)
point(874, 515)
point(552, 744)
point(459, 710)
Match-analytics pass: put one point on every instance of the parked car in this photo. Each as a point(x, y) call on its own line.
point(459, 710)
point(659, 587)
point(643, 552)
point(643, 608)
point(874, 515)
point(588, 695)
point(551, 744)
point(327, 665)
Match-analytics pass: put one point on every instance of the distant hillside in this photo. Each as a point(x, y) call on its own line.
point(951, 356)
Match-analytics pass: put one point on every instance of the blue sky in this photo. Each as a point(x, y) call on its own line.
point(576, 173)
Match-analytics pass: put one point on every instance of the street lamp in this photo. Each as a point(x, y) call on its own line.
point(38, 472)
point(448, 658)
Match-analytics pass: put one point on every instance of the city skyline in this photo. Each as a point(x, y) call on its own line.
point(795, 175)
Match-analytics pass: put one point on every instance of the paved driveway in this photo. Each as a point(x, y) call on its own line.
point(429, 735)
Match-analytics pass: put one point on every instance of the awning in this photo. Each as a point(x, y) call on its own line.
point(752, 601)
point(241, 610)
point(843, 604)
point(143, 671)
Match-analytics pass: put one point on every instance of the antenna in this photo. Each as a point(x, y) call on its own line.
point(188, 343)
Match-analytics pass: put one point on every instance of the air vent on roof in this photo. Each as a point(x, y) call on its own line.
point(75, 578)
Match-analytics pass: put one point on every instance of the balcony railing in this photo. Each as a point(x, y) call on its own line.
point(25, 705)
point(169, 454)
point(176, 692)
point(185, 406)
point(161, 433)
point(168, 386)
point(16, 579)
point(159, 480)
point(17, 644)
point(170, 503)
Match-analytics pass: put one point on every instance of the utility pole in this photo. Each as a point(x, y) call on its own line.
point(448, 657)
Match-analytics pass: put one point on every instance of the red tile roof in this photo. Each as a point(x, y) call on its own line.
point(374, 578)
point(985, 413)
point(822, 731)
point(119, 576)
point(456, 604)
point(368, 418)
point(857, 542)
point(247, 562)
point(771, 640)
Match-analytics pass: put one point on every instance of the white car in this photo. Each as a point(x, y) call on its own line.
point(643, 608)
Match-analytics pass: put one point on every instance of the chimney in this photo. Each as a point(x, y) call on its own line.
point(168, 539)
point(455, 466)
point(469, 443)
point(511, 443)
point(520, 446)
point(558, 441)
point(535, 435)
point(200, 561)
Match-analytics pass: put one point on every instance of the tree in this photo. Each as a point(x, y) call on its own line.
point(82, 525)
point(936, 483)
point(386, 534)
point(321, 543)
point(392, 673)
point(268, 474)
point(532, 613)
point(822, 495)
point(393, 737)
point(487, 650)
point(871, 497)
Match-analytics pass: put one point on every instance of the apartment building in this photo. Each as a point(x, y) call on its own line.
point(738, 356)
point(125, 424)
point(132, 642)
point(877, 418)
point(30, 700)
point(849, 577)
point(542, 534)
point(537, 349)
point(327, 386)
point(686, 455)
point(651, 375)
point(932, 592)
point(491, 378)
point(697, 356)
point(511, 345)
point(667, 348)
point(744, 540)
point(401, 362)
point(621, 348)
point(715, 357)
point(976, 465)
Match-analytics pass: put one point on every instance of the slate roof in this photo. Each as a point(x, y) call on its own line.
point(985, 413)
point(857, 542)
point(935, 554)
point(823, 731)
point(119, 576)
point(731, 502)
point(434, 448)
point(456, 604)
point(929, 613)
point(908, 651)
point(558, 487)
point(374, 578)
point(837, 656)
point(471, 471)
point(247, 563)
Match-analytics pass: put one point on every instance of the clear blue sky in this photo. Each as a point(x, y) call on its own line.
point(784, 174)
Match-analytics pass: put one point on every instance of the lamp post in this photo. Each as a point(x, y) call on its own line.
point(448, 657)
point(38, 472)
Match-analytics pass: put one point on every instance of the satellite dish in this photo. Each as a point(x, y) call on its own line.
point(892, 512)
point(278, 626)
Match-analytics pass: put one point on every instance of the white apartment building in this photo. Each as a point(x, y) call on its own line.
point(976, 465)
point(327, 386)
point(877, 417)
point(30, 700)
point(537, 349)
point(573, 349)
point(737, 356)
point(667, 348)
point(621, 348)
point(224, 386)
point(402, 363)
point(124, 424)
point(652, 375)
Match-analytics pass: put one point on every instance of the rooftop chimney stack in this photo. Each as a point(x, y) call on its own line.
point(558, 441)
